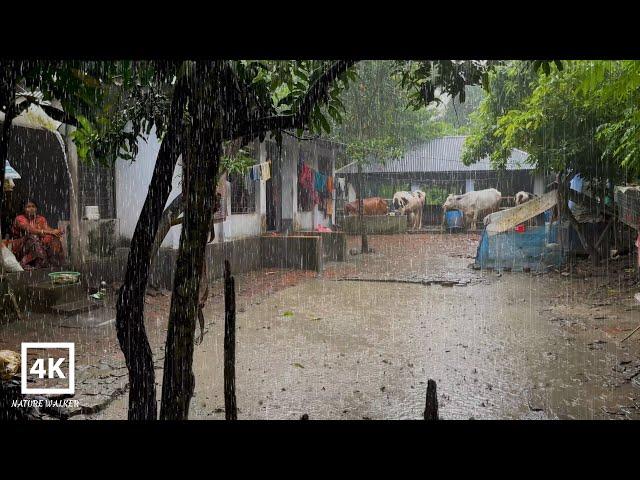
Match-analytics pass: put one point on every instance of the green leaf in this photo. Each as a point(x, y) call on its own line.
point(324, 123)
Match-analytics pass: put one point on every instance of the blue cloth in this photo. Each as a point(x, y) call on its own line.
point(254, 173)
point(576, 184)
point(320, 182)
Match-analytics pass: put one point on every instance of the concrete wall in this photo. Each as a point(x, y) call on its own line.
point(376, 224)
point(334, 244)
point(244, 255)
point(300, 252)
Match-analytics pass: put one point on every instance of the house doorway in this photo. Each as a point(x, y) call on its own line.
point(38, 157)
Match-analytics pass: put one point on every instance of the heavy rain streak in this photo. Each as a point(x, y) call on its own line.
point(316, 239)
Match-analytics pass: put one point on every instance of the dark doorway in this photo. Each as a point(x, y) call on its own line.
point(274, 189)
point(38, 157)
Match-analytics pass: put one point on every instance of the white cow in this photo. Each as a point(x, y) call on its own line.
point(411, 204)
point(523, 197)
point(472, 204)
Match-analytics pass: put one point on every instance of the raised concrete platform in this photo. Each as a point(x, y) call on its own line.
point(334, 244)
point(292, 251)
point(375, 224)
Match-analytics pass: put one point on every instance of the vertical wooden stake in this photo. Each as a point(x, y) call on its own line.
point(230, 407)
point(431, 407)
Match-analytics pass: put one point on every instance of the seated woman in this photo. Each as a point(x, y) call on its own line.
point(36, 244)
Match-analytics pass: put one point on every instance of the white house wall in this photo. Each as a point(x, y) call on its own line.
point(132, 185)
point(133, 178)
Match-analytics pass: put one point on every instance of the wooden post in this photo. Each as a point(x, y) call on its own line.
point(431, 407)
point(230, 407)
point(75, 255)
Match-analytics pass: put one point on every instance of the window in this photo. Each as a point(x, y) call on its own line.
point(243, 189)
point(243, 194)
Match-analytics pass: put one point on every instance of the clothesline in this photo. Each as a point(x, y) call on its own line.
point(259, 171)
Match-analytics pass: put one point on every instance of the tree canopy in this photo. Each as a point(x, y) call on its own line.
point(581, 118)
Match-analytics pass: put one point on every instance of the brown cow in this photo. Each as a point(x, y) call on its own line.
point(371, 206)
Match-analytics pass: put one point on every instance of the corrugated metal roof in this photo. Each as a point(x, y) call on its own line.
point(439, 155)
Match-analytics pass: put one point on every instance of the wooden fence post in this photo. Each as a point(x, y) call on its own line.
point(431, 407)
point(230, 407)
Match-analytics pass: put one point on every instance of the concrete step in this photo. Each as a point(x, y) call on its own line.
point(40, 297)
point(77, 306)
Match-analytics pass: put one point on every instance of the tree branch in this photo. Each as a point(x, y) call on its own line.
point(318, 92)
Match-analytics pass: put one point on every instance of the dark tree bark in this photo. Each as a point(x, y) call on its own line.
point(230, 407)
point(431, 405)
point(201, 155)
point(178, 382)
point(216, 101)
point(364, 239)
point(130, 327)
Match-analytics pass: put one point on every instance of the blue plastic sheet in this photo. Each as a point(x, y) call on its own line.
point(517, 251)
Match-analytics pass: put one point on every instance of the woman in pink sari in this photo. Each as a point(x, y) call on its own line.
point(35, 244)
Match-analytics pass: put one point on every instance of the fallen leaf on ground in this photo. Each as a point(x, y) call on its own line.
point(297, 365)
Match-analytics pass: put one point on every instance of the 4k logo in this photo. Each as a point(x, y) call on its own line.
point(48, 368)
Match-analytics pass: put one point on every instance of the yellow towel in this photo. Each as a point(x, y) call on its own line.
point(265, 170)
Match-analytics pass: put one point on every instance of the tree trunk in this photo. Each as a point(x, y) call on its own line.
point(230, 407)
point(201, 155)
point(130, 327)
point(364, 239)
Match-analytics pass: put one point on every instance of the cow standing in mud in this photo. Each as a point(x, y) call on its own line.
point(472, 204)
point(410, 204)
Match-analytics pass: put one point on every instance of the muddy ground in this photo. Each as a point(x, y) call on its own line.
point(343, 345)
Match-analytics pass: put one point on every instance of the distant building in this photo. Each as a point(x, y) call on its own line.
point(436, 167)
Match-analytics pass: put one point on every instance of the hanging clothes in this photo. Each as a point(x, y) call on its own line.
point(305, 178)
point(329, 207)
point(330, 184)
point(320, 183)
point(265, 171)
point(307, 193)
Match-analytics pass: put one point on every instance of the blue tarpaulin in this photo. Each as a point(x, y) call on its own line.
point(516, 251)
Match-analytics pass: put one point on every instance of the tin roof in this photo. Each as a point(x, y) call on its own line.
point(439, 155)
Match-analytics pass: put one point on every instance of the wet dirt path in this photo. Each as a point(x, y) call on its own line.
point(516, 346)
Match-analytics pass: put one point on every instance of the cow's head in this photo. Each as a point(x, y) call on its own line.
point(451, 201)
point(420, 194)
